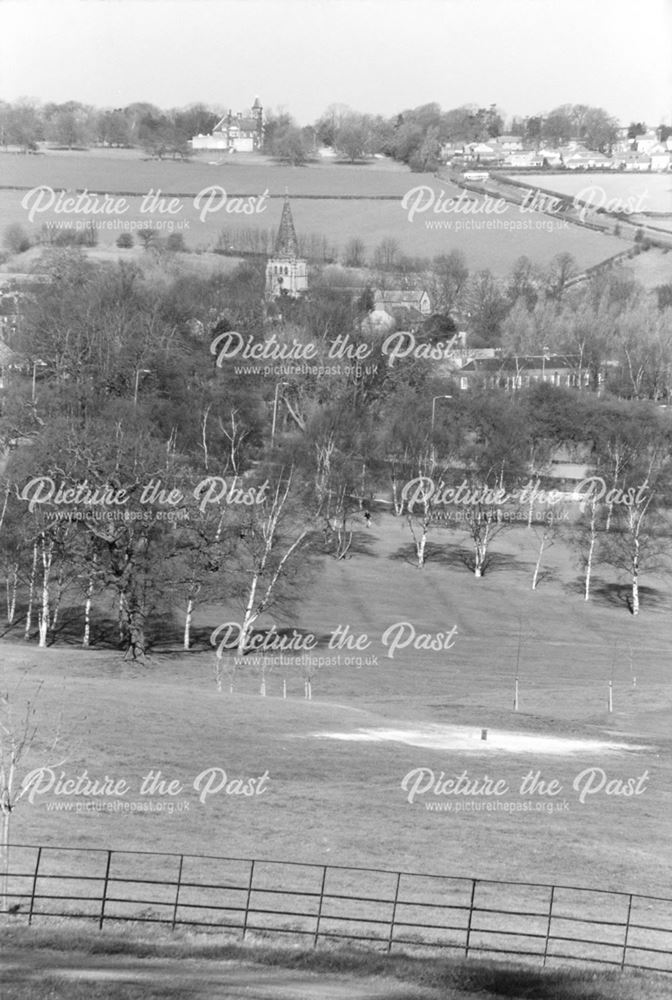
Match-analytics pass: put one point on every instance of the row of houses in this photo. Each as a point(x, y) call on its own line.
point(509, 151)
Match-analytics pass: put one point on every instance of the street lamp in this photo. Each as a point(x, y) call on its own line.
point(139, 372)
point(275, 410)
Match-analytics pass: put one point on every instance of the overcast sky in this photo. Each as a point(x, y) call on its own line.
point(374, 55)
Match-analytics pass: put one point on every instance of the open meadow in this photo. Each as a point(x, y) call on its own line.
point(336, 201)
point(334, 765)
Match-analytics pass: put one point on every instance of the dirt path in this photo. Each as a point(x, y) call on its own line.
point(197, 980)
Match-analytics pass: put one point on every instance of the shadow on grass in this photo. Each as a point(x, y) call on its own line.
point(163, 632)
point(457, 557)
point(619, 595)
point(481, 978)
point(362, 545)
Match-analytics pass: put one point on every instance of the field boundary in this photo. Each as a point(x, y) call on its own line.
point(380, 908)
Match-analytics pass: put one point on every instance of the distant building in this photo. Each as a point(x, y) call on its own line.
point(242, 132)
point(510, 143)
point(517, 372)
point(635, 162)
point(661, 158)
point(414, 301)
point(286, 270)
point(645, 143)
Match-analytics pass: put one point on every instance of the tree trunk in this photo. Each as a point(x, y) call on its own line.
point(249, 617)
point(635, 578)
point(86, 638)
point(31, 593)
point(187, 622)
point(5, 813)
point(43, 619)
point(12, 576)
point(535, 577)
point(591, 551)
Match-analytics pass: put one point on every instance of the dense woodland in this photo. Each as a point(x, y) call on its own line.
point(233, 487)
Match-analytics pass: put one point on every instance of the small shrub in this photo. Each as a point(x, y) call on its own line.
point(125, 241)
point(175, 243)
point(16, 239)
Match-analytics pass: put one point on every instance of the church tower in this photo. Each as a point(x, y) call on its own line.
point(286, 272)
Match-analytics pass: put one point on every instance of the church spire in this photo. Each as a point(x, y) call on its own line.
point(286, 244)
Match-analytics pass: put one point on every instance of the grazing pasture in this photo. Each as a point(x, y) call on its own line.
point(336, 201)
point(335, 765)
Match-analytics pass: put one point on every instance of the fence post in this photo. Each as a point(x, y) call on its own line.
point(177, 891)
point(319, 912)
point(394, 913)
point(627, 931)
point(471, 911)
point(34, 887)
point(548, 926)
point(249, 896)
point(105, 884)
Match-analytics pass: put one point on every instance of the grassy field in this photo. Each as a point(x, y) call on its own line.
point(486, 240)
point(651, 192)
point(335, 764)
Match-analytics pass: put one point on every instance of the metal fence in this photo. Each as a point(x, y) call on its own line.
point(387, 910)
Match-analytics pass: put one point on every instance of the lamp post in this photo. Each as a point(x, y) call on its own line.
point(275, 410)
point(139, 372)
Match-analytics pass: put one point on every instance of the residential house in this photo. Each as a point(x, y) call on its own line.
point(405, 305)
point(587, 159)
point(242, 132)
point(485, 152)
point(645, 143)
point(635, 162)
point(524, 158)
point(661, 158)
point(510, 143)
point(517, 372)
point(551, 157)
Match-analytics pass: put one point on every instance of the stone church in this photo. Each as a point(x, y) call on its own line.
point(239, 133)
point(286, 270)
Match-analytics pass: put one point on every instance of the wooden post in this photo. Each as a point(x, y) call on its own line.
point(34, 886)
point(319, 912)
point(471, 912)
point(105, 884)
point(177, 891)
point(627, 931)
point(247, 901)
point(611, 696)
point(548, 926)
point(515, 695)
point(394, 913)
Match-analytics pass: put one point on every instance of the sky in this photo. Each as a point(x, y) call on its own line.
point(379, 56)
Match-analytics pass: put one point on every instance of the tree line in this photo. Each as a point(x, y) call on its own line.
point(414, 136)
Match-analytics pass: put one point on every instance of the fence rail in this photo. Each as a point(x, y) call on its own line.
point(319, 903)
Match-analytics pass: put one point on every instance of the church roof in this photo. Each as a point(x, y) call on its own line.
point(286, 243)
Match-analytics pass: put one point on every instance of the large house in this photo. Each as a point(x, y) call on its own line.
point(242, 132)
